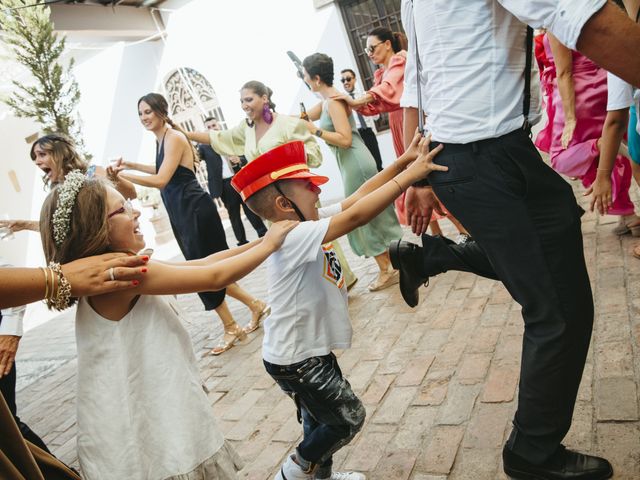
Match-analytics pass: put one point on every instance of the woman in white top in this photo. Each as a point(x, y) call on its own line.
point(142, 413)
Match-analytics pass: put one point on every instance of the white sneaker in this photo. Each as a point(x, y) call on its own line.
point(346, 476)
point(290, 470)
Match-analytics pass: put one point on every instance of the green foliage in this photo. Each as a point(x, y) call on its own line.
point(53, 98)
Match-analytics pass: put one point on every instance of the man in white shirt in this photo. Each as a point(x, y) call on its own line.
point(10, 335)
point(523, 215)
point(366, 125)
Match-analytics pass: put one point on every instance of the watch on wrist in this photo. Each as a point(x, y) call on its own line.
point(423, 182)
point(318, 133)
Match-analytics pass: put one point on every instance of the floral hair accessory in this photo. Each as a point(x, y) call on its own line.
point(68, 192)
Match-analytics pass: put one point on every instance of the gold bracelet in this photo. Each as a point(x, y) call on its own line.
point(63, 292)
point(50, 284)
point(608, 170)
point(46, 283)
point(396, 182)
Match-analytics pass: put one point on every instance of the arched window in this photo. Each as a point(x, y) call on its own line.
point(191, 99)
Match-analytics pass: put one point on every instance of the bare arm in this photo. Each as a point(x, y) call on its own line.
point(87, 276)
point(613, 131)
point(563, 59)
point(216, 257)
point(608, 38)
point(385, 175)
point(314, 112)
point(18, 225)
point(355, 103)
point(342, 136)
point(410, 124)
point(199, 137)
point(175, 145)
point(140, 167)
point(369, 206)
point(164, 278)
point(125, 187)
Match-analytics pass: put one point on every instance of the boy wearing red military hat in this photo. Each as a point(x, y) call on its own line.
point(309, 317)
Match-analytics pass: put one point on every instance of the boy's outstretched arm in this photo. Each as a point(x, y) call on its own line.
point(410, 154)
point(373, 203)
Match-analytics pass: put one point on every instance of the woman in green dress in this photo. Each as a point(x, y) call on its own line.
point(261, 131)
point(337, 128)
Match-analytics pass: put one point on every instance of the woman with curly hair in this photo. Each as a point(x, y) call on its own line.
point(56, 155)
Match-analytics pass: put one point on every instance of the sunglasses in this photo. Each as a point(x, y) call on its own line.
point(346, 79)
point(126, 208)
point(372, 48)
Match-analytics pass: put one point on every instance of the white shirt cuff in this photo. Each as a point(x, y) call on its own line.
point(12, 322)
point(570, 17)
point(409, 98)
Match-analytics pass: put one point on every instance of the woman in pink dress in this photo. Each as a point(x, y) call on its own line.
point(547, 71)
point(579, 99)
point(388, 50)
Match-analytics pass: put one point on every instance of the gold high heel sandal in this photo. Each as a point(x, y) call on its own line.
point(384, 280)
point(237, 334)
point(259, 309)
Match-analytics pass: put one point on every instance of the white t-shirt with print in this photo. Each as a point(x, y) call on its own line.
point(309, 314)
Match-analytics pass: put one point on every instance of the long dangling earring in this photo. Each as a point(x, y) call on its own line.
point(267, 116)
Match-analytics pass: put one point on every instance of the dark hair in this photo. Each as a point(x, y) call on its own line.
point(262, 202)
point(160, 107)
point(398, 39)
point(63, 152)
point(345, 70)
point(208, 119)
point(321, 65)
point(260, 89)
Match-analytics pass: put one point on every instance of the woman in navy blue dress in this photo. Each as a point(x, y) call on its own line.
point(194, 217)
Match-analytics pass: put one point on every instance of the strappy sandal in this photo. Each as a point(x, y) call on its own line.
point(628, 224)
point(390, 278)
point(259, 309)
point(636, 251)
point(237, 335)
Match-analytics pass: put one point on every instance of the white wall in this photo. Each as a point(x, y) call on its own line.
point(231, 43)
point(24, 248)
point(228, 42)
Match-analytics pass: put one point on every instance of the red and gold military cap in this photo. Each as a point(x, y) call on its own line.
point(285, 162)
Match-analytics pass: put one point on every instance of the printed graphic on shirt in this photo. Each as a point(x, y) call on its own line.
point(332, 270)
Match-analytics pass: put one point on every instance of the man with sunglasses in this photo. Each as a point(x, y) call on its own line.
point(366, 125)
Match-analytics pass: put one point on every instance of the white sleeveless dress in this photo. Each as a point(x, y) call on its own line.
point(142, 412)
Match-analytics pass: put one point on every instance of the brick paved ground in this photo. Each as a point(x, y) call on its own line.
point(439, 382)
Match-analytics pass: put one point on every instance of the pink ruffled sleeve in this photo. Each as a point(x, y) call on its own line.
point(387, 88)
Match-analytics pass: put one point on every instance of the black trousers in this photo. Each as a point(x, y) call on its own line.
point(526, 221)
point(232, 202)
point(370, 140)
point(8, 389)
